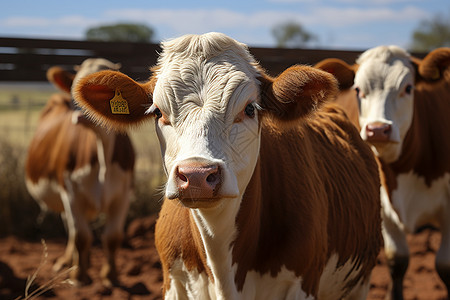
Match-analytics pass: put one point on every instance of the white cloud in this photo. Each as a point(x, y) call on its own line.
point(25, 22)
point(353, 16)
point(77, 21)
point(184, 20)
point(252, 28)
point(201, 20)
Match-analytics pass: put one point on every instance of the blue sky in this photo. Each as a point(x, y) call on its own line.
point(338, 24)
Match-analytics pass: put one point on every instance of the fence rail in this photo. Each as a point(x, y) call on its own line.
point(28, 59)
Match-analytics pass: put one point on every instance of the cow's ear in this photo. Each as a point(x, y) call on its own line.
point(344, 73)
point(432, 67)
point(113, 99)
point(295, 93)
point(60, 78)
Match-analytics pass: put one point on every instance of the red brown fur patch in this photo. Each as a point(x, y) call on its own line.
point(309, 215)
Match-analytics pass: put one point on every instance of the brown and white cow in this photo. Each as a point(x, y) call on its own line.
point(80, 170)
point(271, 194)
point(404, 105)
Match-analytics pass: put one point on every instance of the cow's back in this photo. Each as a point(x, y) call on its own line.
point(58, 147)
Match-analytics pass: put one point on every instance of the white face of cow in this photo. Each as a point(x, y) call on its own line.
point(209, 99)
point(385, 83)
point(205, 101)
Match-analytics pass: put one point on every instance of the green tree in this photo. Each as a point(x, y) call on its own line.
point(431, 34)
point(122, 32)
point(291, 35)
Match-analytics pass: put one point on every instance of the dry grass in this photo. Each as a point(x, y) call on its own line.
point(58, 280)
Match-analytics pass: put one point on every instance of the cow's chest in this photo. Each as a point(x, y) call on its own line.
point(417, 203)
point(285, 285)
point(194, 285)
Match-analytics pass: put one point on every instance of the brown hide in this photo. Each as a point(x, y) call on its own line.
point(59, 145)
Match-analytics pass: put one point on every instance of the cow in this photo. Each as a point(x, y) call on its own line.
point(403, 103)
point(80, 170)
point(271, 193)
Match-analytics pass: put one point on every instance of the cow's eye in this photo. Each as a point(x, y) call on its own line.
point(250, 110)
point(157, 113)
point(359, 93)
point(408, 89)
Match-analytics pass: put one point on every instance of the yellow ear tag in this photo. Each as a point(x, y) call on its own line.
point(119, 106)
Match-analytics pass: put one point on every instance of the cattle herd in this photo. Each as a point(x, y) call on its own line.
point(283, 187)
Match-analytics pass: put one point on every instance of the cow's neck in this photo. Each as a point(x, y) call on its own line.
point(249, 225)
point(423, 145)
point(217, 230)
point(410, 154)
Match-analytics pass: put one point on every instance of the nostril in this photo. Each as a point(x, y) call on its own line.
point(182, 177)
point(212, 178)
point(387, 130)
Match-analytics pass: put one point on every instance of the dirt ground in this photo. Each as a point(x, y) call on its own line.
point(140, 269)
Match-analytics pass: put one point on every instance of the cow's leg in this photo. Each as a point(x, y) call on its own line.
point(395, 247)
point(81, 234)
point(397, 268)
point(83, 242)
point(67, 258)
point(112, 238)
point(397, 255)
point(443, 254)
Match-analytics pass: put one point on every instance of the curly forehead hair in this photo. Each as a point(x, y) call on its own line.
point(384, 54)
